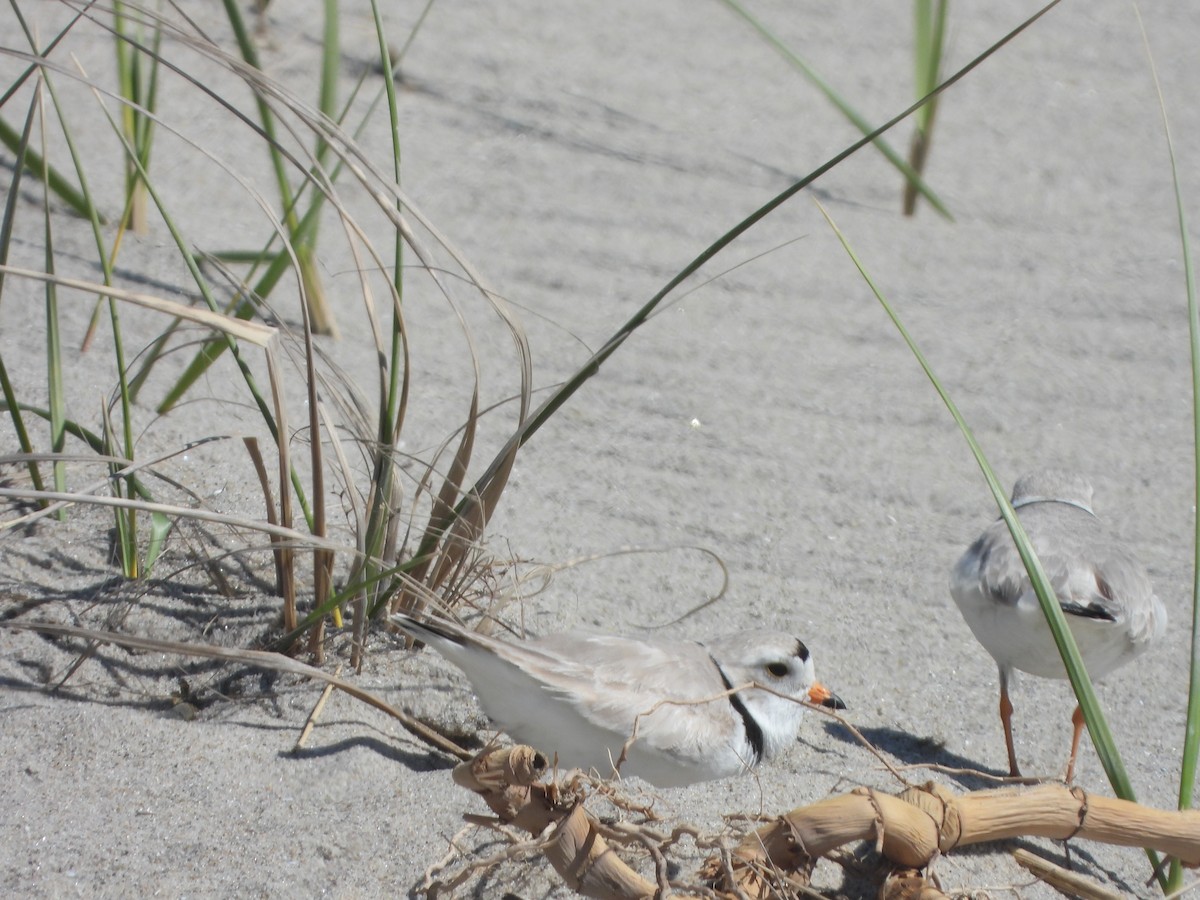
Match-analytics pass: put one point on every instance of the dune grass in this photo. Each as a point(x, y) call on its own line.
point(929, 34)
point(116, 442)
point(1191, 738)
point(1098, 728)
point(1081, 683)
point(412, 536)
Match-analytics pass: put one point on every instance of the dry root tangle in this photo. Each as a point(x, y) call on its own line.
point(909, 831)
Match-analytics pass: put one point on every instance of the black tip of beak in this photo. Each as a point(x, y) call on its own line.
point(833, 701)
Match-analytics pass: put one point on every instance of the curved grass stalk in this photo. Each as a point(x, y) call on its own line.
point(564, 392)
point(1081, 682)
point(1191, 735)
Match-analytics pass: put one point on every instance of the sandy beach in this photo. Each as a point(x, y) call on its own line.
point(769, 415)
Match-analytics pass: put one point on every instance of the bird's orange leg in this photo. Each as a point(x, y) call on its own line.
point(1077, 721)
point(1006, 711)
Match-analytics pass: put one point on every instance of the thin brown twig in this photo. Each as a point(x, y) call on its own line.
point(265, 659)
point(318, 707)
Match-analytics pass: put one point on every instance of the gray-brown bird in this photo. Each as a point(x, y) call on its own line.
point(583, 695)
point(1104, 591)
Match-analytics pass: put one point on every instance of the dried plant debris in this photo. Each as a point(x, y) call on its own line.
point(907, 832)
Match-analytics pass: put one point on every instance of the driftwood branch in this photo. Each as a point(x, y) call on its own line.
point(506, 778)
point(909, 830)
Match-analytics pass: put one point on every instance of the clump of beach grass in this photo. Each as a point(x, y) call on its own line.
point(414, 523)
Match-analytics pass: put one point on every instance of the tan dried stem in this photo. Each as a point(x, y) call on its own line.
point(910, 830)
point(506, 780)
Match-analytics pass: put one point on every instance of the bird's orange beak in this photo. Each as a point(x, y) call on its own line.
point(820, 695)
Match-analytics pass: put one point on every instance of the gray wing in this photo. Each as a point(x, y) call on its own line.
point(1093, 576)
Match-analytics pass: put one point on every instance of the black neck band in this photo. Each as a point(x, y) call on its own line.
point(754, 732)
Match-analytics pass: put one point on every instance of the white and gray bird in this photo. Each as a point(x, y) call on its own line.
point(1104, 591)
point(579, 695)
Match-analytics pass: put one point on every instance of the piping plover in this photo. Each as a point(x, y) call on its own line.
point(579, 695)
point(1104, 591)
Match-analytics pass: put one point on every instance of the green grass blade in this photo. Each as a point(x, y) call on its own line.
point(129, 551)
point(317, 317)
point(125, 519)
point(331, 53)
point(54, 370)
point(266, 117)
point(160, 527)
point(1081, 683)
point(105, 259)
point(193, 267)
point(6, 230)
point(62, 188)
point(568, 388)
point(303, 239)
point(929, 29)
point(911, 175)
point(14, 190)
point(137, 78)
point(1191, 734)
point(393, 401)
point(59, 185)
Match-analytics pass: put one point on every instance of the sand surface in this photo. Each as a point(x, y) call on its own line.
point(578, 156)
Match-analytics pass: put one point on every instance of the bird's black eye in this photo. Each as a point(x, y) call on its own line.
point(801, 650)
point(777, 669)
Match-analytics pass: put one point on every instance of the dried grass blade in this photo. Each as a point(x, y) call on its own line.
point(275, 661)
point(251, 332)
